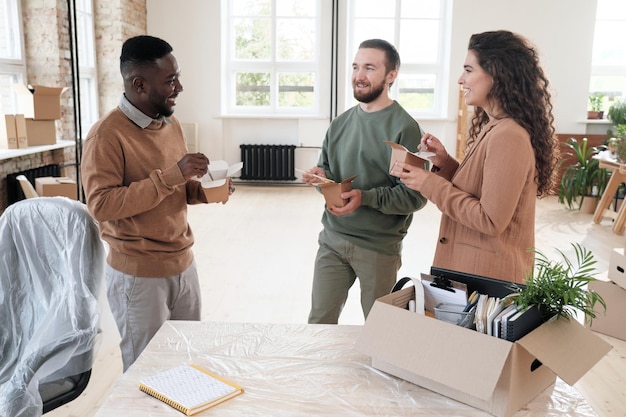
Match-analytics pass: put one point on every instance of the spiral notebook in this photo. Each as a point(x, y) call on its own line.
point(189, 388)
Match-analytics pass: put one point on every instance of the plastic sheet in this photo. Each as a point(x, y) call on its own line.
point(51, 269)
point(298, 370)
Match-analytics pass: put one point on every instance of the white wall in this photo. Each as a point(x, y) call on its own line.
point(562, 30)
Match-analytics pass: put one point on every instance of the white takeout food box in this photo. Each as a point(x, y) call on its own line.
point(215, 183)
point(401, 154)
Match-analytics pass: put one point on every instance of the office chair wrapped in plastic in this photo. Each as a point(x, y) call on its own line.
point(51, 270)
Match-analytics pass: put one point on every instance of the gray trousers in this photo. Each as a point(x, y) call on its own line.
point(337, 265)
point(141, 305)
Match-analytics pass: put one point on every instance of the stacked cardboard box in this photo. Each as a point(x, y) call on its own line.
point(611, 322)
point(38, 108)
point(8, 132)
point(56, 186)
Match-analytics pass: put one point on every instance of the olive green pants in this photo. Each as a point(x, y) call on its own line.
point(337, 265)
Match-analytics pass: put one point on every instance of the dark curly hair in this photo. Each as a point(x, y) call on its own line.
point(521, 89)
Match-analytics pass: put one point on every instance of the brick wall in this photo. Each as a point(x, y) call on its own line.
point(115, 21)
point(46, 33)
point(47, 45)
point(63, 156)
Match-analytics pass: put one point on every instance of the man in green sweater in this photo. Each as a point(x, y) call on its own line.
point(364, 238)
point(138, 180)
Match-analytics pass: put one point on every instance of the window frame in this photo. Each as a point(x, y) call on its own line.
point(599, 70)
point(440, 67)
point(274, 67)
point(14, 66)
point(87, 69)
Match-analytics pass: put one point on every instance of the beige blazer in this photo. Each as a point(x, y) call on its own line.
point(488, 205)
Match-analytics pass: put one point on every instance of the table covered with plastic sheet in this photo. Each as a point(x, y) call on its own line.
point(297, 370)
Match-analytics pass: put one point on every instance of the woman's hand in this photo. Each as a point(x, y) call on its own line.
point(413, 177)
point(430, 143)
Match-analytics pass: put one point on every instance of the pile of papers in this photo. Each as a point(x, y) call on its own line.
point(494, 316)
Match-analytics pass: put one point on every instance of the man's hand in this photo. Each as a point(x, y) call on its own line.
point(193, 165)
point(313, 176)
point(354, 202)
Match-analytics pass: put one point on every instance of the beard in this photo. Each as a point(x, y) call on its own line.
point(370, 96)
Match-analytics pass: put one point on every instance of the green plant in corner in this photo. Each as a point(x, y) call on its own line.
point(584, 178)
point(617, 113)
point(559, 288)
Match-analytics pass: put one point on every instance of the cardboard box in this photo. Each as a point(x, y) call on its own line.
point(216, 183)
point(332, 191)
point(39, 102)
point(40, 132)
point(56, 186)
point(610, 322)
point(617, 267)
point(401, 154)
point(482, 371)
point(20, 128)
point(8, 132)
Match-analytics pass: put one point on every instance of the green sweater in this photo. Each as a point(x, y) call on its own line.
point(354, 145)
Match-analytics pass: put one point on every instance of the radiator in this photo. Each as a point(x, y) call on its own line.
point(268, 162)
point(14, 191)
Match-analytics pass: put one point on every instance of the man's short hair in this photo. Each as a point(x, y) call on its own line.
point(393, 57)
point(142, 50)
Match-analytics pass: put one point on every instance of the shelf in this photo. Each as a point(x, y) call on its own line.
point(14, 153)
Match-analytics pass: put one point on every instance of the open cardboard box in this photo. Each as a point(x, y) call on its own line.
point(215, 183)
point(56, 186)
point(39, 102)
point(332, 191)
point(610, 322)
point(401, 154)
point(482, 371)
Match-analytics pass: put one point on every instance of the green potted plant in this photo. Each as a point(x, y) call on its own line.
point(583, 179)
point(559, 288)
point(617, 113)
point(595, 106)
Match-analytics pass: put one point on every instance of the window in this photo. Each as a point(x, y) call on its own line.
point(88, 82)
point(608, 62)
point(420, 32)
point(12, 66)
point(272, 64)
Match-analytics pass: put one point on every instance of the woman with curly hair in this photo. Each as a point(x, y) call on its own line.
point(487, 201)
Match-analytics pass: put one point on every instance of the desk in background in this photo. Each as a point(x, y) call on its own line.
point(297, 370)
point(618, 176)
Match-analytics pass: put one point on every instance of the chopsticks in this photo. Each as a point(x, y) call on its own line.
point(326, 180)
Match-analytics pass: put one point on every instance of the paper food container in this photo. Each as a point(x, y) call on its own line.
point(332, 191)
point(216, 188)
point(401, 154)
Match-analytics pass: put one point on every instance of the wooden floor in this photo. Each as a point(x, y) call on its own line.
point(255, 257)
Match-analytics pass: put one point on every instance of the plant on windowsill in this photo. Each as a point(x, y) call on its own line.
point(617, 116)
point(584, 179)
point(617, 113)
point(595, 107)
point(559, 288)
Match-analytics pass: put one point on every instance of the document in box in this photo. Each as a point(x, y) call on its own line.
point(455, 293)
